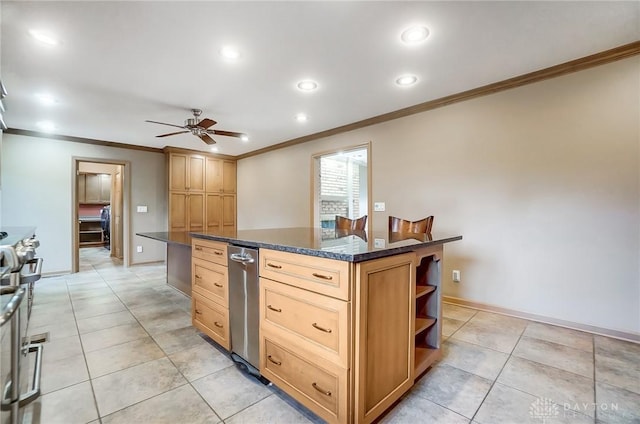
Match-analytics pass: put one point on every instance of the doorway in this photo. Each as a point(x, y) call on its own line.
point(99, 216)
point(341, 185)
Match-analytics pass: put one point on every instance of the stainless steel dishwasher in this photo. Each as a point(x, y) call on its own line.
point(244, 314)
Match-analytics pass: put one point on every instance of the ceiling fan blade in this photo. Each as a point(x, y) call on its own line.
point(207, 139)
point(206, 123)
point(227, 133)
point(167, 135)
point(164, 123)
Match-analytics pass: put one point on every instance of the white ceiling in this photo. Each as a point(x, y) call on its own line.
point(119, 63)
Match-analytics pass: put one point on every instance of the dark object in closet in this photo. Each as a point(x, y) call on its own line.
point(105, 223)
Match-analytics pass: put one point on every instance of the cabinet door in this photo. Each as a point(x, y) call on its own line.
point(213, 175)
point(178, 211)
point(229, 176)
point(196, 173)
point(105, 188)
point(92, 188)
point(384, 329)
point(196, 211)
point(81, 180)
point(228, 213)
point(178, 168)
point(213, 212)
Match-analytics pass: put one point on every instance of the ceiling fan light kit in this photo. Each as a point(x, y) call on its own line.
point(200, 128)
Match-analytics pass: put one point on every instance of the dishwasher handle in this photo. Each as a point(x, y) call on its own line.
point(238, 257)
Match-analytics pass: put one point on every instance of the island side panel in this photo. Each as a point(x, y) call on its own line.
point(179, 267)
point(384, 333)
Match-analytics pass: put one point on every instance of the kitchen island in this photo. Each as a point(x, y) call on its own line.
point(347, 320)
point(178, 257)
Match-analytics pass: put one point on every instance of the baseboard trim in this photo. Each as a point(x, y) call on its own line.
point(622, 335)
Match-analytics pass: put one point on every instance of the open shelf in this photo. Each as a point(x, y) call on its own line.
point(424, 290)
point(423, 323)
point(427, 311)
point(425, 356)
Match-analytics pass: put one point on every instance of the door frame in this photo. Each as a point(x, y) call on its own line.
point(315, 157)
point(126, 206)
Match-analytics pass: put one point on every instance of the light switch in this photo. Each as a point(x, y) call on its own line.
point(378, 243)
point(378, 206)
point(142, 209)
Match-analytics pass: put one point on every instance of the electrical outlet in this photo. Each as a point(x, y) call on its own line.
point(139, 249)
point(378, 206)
point(456, 276)
point(378, 243)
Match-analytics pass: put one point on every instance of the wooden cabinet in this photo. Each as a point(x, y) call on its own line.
point(94, 188)
point(220, 213)
point(210, 290)
point(220, 175)
point(428, 308)
point(186, 211)
point(186, 172)
point(201, 193)
point(337, 336)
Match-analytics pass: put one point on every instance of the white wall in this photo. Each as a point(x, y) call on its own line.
point(37, 191)
point(542, 181)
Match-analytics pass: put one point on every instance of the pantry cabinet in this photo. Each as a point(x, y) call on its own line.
point(201, 192)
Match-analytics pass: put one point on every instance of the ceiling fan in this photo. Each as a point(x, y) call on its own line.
point(199, 129)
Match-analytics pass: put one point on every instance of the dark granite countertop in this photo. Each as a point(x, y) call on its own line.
point(354, 246)
point(175, 237)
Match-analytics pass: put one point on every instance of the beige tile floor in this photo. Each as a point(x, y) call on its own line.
point(122, 350)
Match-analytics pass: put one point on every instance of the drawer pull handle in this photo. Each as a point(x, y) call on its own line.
point(324, 277)
point(198, 277)
point(317, 327)
point(324, 392)
point(198, 248)
point(217, 252)
point(274, 266)
point(198, 312)
point(217, 324)
point(273, 360)
point(274, 309)
point(217, 285)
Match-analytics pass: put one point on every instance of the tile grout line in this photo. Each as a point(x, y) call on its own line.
point(499, 373)
point(84, 354)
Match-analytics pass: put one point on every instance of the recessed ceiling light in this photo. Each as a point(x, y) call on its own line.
point(46, 99)
point(244, 137)
point(301, 117)
point(414, 35)
point(46, 126)
point(230, 53)
point(43, 37)
point(406, 80)
point(307, 85)
point(214, 149)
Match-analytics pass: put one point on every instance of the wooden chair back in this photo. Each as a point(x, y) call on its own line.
point(343, 223)
point(399, 225)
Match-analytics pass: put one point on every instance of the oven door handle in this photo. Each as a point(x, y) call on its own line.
point(32, 276)
point(12, 306)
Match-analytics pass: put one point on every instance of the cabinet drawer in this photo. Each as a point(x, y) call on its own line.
point(321, 390)
point(321, 275)
point(211, 318)
point(213, 251)
point(300, 316)
point(211, 280)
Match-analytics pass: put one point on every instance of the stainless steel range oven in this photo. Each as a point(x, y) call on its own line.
point(19, 356)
